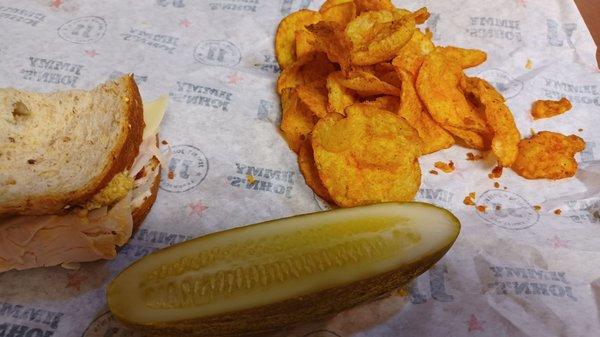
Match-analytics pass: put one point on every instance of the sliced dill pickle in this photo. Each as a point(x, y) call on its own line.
point(267, 276)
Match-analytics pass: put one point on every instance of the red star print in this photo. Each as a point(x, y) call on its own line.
point(75, 279)
point(234, 78)
point(185, 23)
point(521, 3)
point(475, 324)
point(557, 242)
point(197, 208)
point(56, 3)
point(91, 53)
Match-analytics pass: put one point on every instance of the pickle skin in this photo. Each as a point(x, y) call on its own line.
point(283, 314)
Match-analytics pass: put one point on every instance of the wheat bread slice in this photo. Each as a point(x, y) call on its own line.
point(59, 149)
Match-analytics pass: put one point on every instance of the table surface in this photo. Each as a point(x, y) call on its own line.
point(590, 10)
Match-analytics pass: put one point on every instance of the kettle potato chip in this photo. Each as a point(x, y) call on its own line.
point(412, 55)
point(339, 97)
point(314, 97)
point(308, 168)
point(368, 157)
point(305, 41)
point(297, 121)
point(388, 103)
point(548, 155)
point(330, 39)
point(466, 58)
point(366, 84)
point(304, 70)
point(341, 13)
point(285, 37)
point(506, 136)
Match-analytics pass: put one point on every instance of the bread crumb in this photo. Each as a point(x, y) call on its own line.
point(434, 172)
point(537, 208)
point(496, 172)
point(445, 167)
point(472, 157)
point(557, 211)
point(481, 208)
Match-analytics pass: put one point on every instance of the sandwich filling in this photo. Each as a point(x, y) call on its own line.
point(93, 231)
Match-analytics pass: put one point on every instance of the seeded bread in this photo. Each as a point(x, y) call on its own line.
point(59, 149)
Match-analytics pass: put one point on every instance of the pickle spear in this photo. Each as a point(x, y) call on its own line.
point(267, 276)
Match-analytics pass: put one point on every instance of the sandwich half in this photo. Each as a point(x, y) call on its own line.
point(79, 170)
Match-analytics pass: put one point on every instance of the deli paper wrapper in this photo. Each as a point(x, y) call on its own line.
point(512, 272)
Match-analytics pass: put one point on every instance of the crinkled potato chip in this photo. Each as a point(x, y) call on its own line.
point(314, 96)
point(498, 116)
point(341, 13)
point(305, 41)
point(330, 38)
point(548, 108)
point(338, 97)
point(438, 86)
point(433, 136)
point(297, 121)
point(330, 3)
point(367, 84)
point(548, 155)
point(304, 70)
point(466, 58)
point(285, 38)
point(368, 157)
point(388, 103)
point(308, 168)
point(412, 55)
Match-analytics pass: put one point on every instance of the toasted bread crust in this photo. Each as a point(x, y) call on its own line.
point(123, 155)
point(140, 213)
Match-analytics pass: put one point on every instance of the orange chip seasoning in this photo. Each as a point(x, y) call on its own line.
point(470, 199)
point(498, 207)
point(547, 109)
point(434, 172)
point(445, 167)
point(472, 157)
point(481, 208)
point(537, 208)
point(496, 172)
point(496, 184)
point(557, 211)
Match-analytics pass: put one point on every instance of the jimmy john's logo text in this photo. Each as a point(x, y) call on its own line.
point(435, 196)
point(584, 211)
point(24, 16)
point(434, 289)
point(195, 94)
point(187, 168)
point(52, 71)
point(174, 3)
point(531, 282)
point(217, 53)
point(263, 180)
point(494, 28)
point(267, 64)
point(267, 112)
point(503, 82)
point(146, 241)
point(159, 41)
point(18, 320)
point(288, 6)
point(83, 30)
point(234, 5)
point(576, 93)
point(559, 35)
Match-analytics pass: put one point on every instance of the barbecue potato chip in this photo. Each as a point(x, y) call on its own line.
point(388, 103)
point(305, 41)
point(433, 136)
point(368, 157)
point(314, 97)
point(365, 84)
point(338, 97)
point(373, 5)
point(548, 155)
point(330, 3)
point(547, 109)
point(498, 116)
point(438, 86)
point(304, 70)
point(285, 38)
point(387, 73)
point(297, 121)
point(330, 39)
point(412, 55)
point(466, 58)
point(341, 13)
point(308, 168)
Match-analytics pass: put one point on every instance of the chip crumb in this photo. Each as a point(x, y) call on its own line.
point(171, 175)
point(445, 167)
point(498, 207)
point(472, 195)
point(496, 172)
point(529, 64)
point(537, 208)
point(472, 157)
point(470, 199)
point(250, 179)
point(580, 130)
point(481, 208)
point(505, 187)
point(496, 184)
point(164, 142)
point(434, 172)
point(557, 211)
